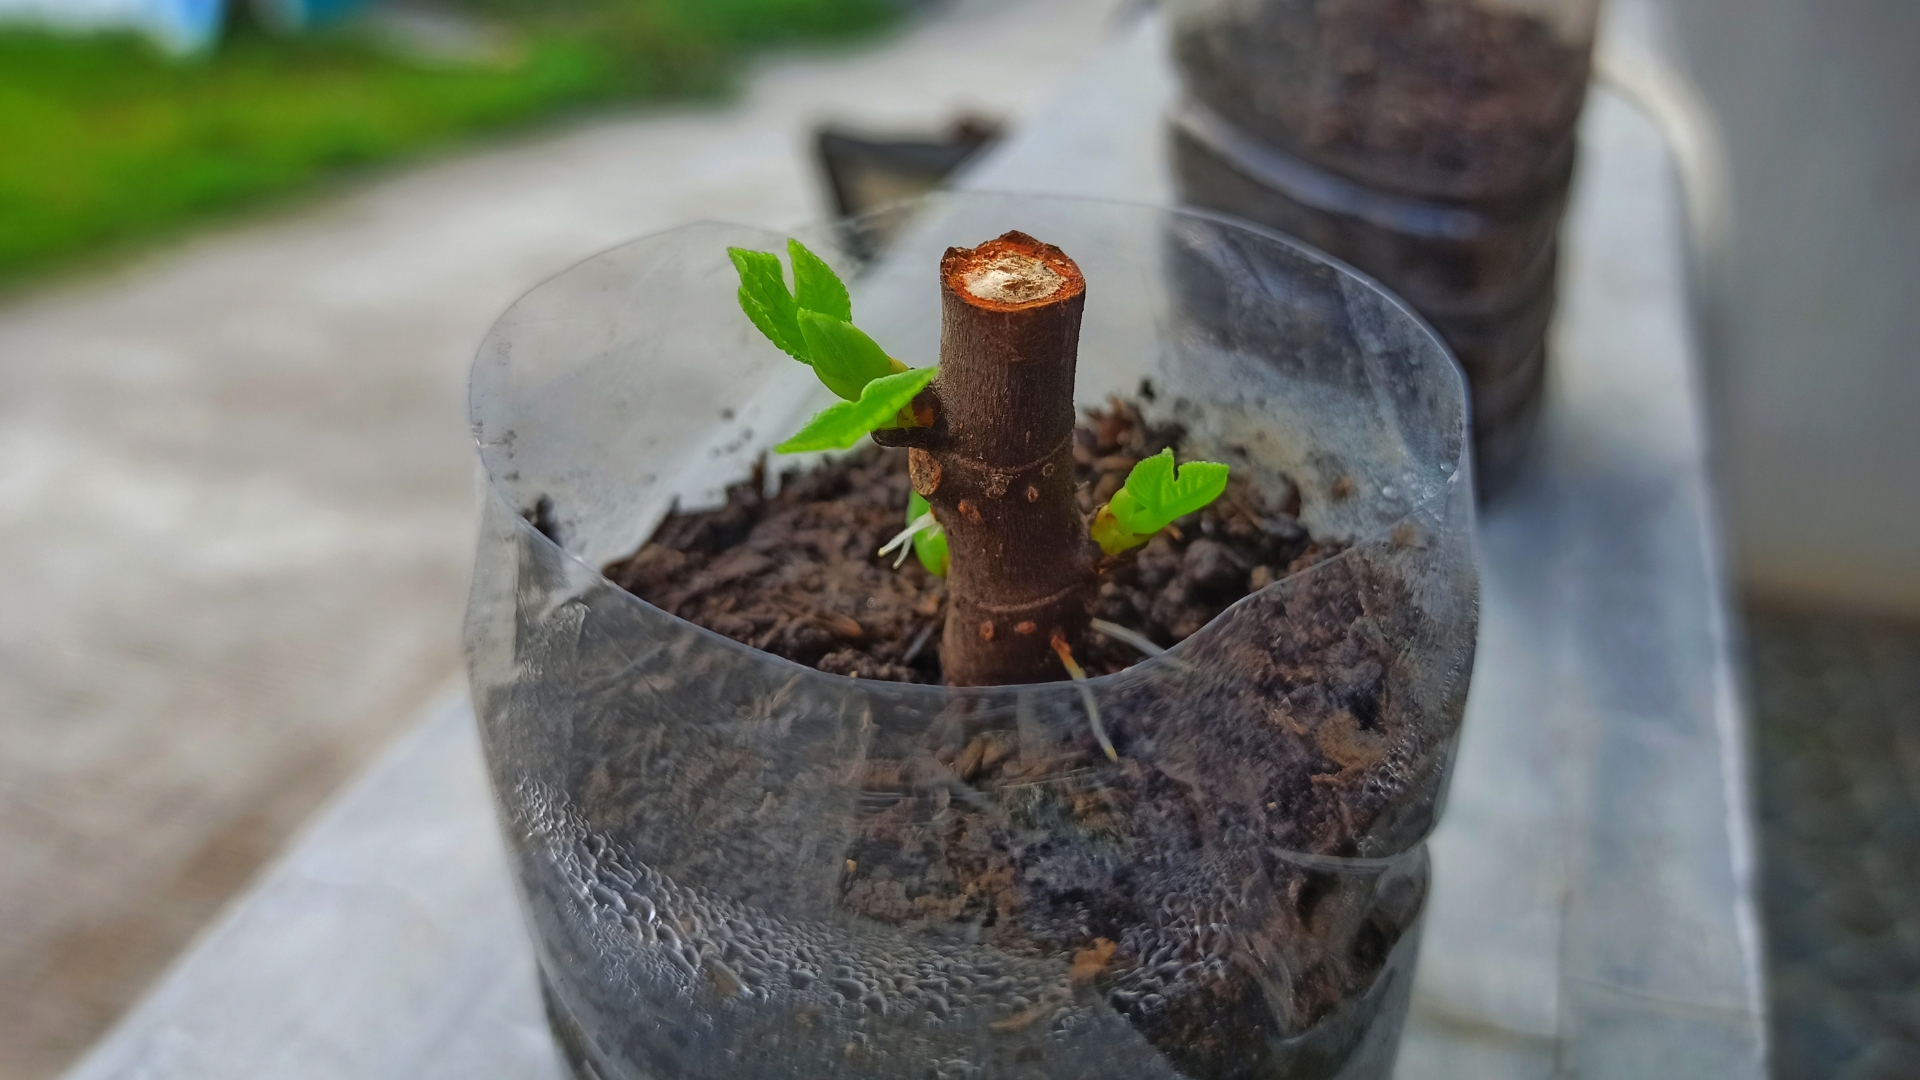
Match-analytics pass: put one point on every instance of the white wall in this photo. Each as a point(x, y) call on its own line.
point(1811, 288)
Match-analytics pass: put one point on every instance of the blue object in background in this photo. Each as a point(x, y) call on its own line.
point(179, 25)
point(303, 14)
point(188, 25)
point(183, 26)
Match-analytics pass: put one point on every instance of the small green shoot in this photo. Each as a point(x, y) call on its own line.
point(816, 287)
point(927, 538)
point(765, 299)
point(845, 358)
point(882, 404)
point(814, 325)
point(930, 544)
point(1155, 495)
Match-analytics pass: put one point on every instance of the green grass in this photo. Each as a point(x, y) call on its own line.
point(104, 142)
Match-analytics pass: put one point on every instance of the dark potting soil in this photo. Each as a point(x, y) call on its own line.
point(797, 573)
point(1426, 97)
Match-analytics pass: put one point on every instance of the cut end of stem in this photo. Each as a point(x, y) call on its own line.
point(1012, 278)
point(1012, 273)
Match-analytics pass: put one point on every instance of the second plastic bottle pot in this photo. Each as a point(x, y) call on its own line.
point(1428, 142)
point(736, 866)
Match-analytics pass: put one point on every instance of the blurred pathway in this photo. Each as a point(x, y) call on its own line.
point(237, 494)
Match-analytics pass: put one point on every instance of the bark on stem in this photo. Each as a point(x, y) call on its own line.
point(998, 466)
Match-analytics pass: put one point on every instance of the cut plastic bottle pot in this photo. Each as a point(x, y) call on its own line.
point(1428, 142)
point(736, 866)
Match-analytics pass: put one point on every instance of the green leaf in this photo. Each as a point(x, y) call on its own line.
point(845, 358)
point(929, 545)
point(765, 299)
point(1155, 496)
point(841, 424)
point(778, 331)
point(816, 287)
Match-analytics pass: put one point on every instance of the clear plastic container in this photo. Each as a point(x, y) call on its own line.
point(736, 866)
point(1428, 142)
point(1450, 99)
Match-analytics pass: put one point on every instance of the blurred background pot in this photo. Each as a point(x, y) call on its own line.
point(733, 865)
point(1428, 142)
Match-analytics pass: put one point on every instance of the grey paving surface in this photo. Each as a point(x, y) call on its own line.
point(237, 498)
point(1837, 723)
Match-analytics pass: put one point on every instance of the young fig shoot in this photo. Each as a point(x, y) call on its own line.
point(883, 403)
point(1155, 496)
point(924, 535)
point(930, 543)
point(814, 324)
point(765, 299)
